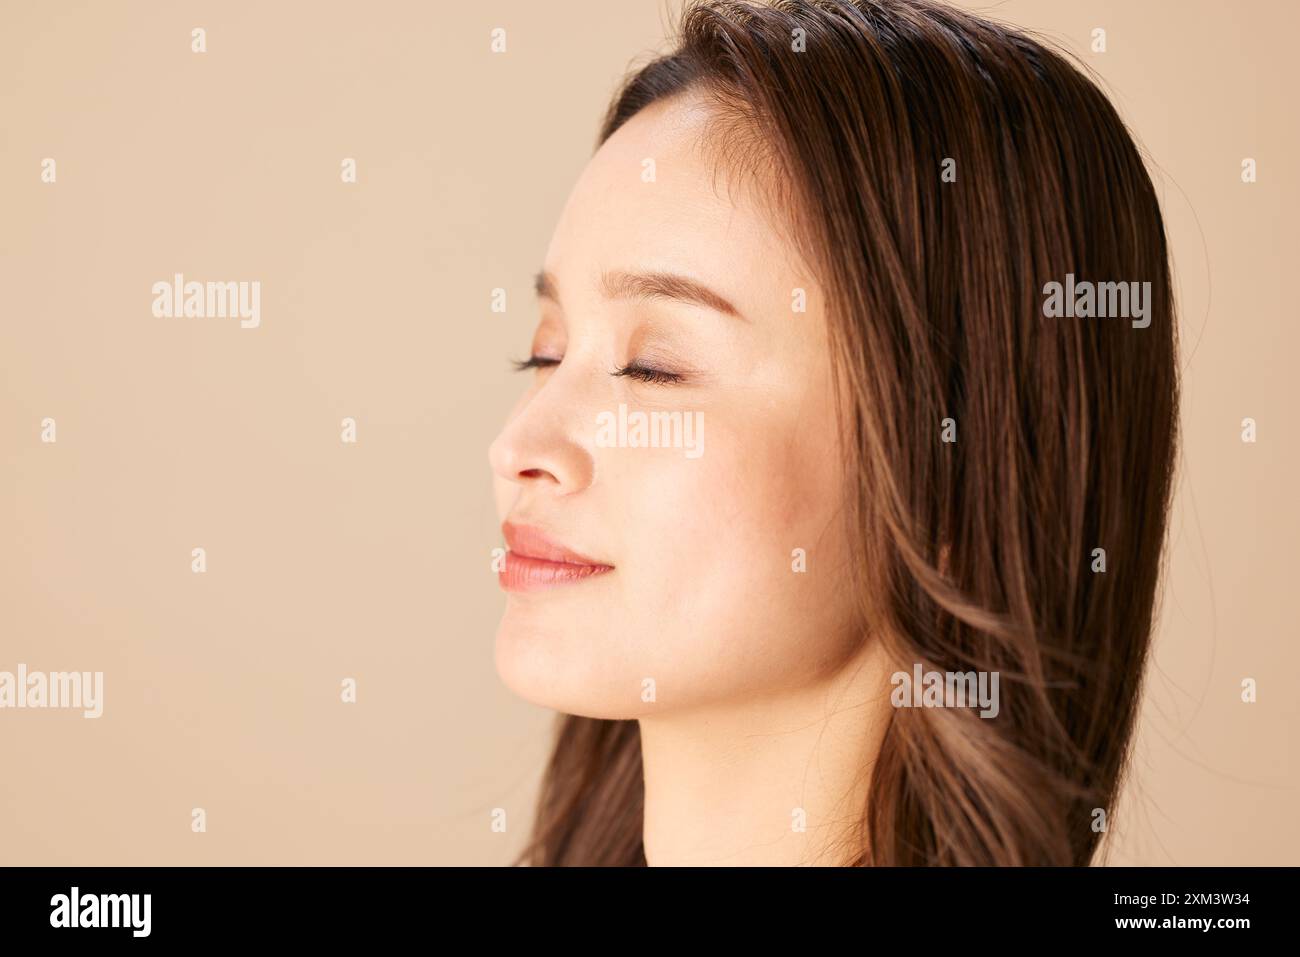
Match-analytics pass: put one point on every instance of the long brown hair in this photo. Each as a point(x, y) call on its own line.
point(941, 170)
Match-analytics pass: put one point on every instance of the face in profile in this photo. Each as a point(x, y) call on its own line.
point(675, 448)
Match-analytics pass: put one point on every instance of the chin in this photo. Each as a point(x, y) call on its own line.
point(552, 667)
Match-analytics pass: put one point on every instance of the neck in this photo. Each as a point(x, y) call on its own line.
point(774, 780)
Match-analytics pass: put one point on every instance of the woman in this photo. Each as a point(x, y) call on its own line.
point(812, 447)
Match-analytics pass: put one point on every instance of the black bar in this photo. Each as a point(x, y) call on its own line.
point(978, 906)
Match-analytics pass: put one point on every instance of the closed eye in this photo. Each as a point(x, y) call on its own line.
point(534, 362)
point(647, 374)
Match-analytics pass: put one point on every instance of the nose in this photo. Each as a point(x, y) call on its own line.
point(544, 445)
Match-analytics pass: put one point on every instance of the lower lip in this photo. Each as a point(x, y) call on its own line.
point(525, 573)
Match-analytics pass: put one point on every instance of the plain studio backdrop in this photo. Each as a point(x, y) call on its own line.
point(327, 560)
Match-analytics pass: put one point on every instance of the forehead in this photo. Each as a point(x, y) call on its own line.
point(659, 194)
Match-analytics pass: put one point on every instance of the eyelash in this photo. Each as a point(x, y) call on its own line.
point(631, 370)
point(646, 374)
point(534, 362)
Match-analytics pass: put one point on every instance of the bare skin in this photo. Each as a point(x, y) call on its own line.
point(760, 703)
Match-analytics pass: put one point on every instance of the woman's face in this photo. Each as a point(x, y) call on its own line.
point(687, 592)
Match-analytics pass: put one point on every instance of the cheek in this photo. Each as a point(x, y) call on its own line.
point(713, 564)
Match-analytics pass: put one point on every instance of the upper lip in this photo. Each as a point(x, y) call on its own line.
point(532, 542)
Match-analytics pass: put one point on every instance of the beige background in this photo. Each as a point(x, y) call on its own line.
point(328, 560)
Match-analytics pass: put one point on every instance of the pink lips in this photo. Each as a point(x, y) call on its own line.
point(535, 561)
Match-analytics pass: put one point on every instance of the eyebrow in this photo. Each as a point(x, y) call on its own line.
point(544, 286)
point(621, 284)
